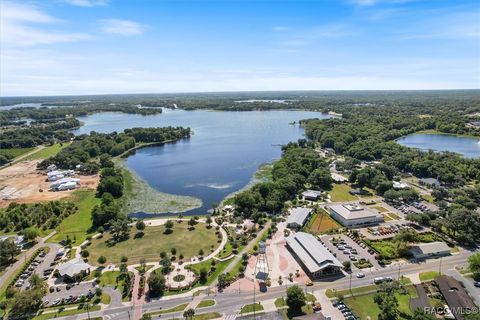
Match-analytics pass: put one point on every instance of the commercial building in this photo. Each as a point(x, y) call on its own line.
point(430, 250)
point(354, 215)
point(313, 255)
point(73, 268)
point(298, 217)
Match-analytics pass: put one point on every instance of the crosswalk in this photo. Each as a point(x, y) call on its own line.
point(112, 316)
point(230, 316)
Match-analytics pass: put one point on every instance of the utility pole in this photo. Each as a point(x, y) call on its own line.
point(440, 267)
point(88, 312)
point(399, 266)
point(350, 282)
point(254, 306)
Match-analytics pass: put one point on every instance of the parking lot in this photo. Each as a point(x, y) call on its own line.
point(350, 249)
point(74, 293)
point(41, 263)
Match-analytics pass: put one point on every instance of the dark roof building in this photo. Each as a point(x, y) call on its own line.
point(457, 298)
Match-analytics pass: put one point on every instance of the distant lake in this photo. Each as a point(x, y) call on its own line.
point(466, 146)
point(221, 156)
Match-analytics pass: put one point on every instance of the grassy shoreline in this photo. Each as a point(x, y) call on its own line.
point(433, 131)
point(139, 196)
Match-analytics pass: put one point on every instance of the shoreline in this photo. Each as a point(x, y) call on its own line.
point(139, 196)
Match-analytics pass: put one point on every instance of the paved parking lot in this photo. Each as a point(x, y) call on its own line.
point(361, 252)
point(77, 290)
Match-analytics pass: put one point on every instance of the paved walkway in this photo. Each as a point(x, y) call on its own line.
point(327, 308)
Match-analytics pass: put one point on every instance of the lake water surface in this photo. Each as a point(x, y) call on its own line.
point(220, 157)
point(466, 146)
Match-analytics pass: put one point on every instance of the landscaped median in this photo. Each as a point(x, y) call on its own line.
point(63, 312)
point(254, 307)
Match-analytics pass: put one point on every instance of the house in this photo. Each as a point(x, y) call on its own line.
point(354, 215)
point(400, 185)
point(311, 195)
point(430, 182)
point(313, 255)
point(298, 217)
point(430, 250)
point(73, 268)
point(457, 298)
point(338, 178)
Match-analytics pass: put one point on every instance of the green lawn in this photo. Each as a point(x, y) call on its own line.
point(357, 290)
point(15, 152)
point(321, 222)
point(178, 308)
point(340, 193)
point(77, 225)
point(365, 307)
point(109, 278)
point(428, 275)
point(65, 313)
point(206, 303)
point(251, 308)
point(47, 152)
point(380, 209)
point(220, 266)
point(207, 316)
point(153, 242)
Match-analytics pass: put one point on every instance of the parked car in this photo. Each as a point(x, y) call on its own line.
point(360, 275)
point(476, 283)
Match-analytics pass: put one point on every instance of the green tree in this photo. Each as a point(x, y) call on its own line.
point(188, 314)
point(8, 251)
point(296, 298)
point(30, 234)
point(140, 225)
point(146, 316)
point(418, 314)
point(387, 303)
point(102, 260)
point(156, 284)
point(474, 262)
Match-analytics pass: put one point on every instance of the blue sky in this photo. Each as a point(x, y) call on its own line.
point(117, 46)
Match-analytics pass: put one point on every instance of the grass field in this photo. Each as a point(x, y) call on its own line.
point(110, 279)
point(178, 308)
point(15, 152)
point(366, 308)
point(153, 242)
point(340, 193)
point(47, 152)
point(206, 303)
point(207, 316)
point(251, 307)
point(380, 209)
point(428, 275)
point(65, 313)
point(220, 266)
point(77, 225)
point(321, 222)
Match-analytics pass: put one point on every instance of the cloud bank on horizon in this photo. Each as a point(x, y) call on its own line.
point(63, 47)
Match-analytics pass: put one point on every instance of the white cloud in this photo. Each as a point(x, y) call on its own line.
point(24, 25)
point(122, 27)
point(87, 3)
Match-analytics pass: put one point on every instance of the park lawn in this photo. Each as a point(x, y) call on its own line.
point(78, 225)
point(109, 278)
point(251, 308)
point(15, 152)
point(321, 222)
point(47, 152)
point(386, 217)
point(226, 251)
point(65, 313)
point(206, 303)
point(386, 248)
point(220, 266)
point(364, 306)
point(393, 216)
point(178, 308)
point(428, 275)
point(280, 302)
point(154, 240)
point(340, 193)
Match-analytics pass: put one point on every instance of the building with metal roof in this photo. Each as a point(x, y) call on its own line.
point(298, 217)
point(74, 267)
point(313, 255)
point(311, 195)
point(354, 215)
point(430, 250)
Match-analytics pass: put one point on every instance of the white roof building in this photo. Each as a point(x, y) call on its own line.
point(311, 194)
point(399, 185)
point(429, 250)
point(73, 267)
point(354, 215)
point(298, 217)
point(338, 178)
point(314, 256)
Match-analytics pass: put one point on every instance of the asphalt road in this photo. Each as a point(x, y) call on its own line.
point(230, 303)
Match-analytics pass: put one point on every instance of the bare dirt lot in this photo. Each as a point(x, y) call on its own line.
point(22, 182)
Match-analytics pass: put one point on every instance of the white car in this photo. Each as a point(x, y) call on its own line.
point(360, 275)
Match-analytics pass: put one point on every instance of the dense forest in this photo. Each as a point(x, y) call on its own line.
point(86, 148)
point(47, 215)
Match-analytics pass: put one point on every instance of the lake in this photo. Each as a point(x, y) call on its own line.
point(221, 156)
point(466, 146)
